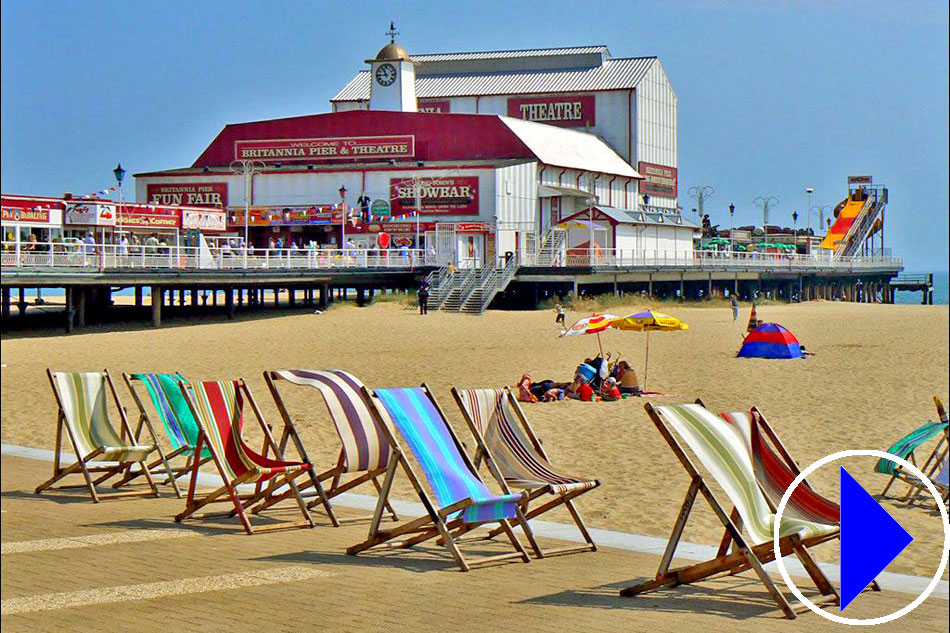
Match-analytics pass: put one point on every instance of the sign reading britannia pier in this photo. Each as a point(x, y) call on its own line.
point(365, 148)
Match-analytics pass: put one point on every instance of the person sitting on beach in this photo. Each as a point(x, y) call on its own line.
point(585, 392)
point(627, 378)
point(524, 389)
point(609, 392)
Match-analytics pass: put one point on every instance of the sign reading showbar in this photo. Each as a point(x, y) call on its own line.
point(317, 149)
point(454, 195)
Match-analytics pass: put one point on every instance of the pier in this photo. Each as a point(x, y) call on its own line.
point(923, 282)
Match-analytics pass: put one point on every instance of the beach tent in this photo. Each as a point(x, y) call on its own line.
point(770, 340)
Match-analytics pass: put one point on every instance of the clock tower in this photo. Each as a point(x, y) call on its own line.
point(392, 78)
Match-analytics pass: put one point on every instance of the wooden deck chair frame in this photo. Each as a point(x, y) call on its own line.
point(241, 503)
point(335, 474)
point(779, 447)
point(162, 464)
point(436, 522)
point(81, 465)
point(482, 452)
point(930, 467)
point(742, 558)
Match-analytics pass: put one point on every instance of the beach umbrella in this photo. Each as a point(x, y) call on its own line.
point(594, 324)
point(648, 321)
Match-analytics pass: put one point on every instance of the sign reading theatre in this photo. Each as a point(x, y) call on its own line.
point(658, 180)
point(189, 194)
point(455, 195)
point(317, 149)
point(562, 111)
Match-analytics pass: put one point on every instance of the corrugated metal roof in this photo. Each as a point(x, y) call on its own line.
point(614, 74)
point(561, 147)
point(633, 216)
point(535, 52)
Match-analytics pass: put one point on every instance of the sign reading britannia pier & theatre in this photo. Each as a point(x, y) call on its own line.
point(364, 148)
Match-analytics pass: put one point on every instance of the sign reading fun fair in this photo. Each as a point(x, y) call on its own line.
point(455, 195)
point(658, 180)
point(206, 194)
point(317, 149)
point(562, 111)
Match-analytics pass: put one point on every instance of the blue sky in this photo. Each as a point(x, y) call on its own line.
point(773, 96)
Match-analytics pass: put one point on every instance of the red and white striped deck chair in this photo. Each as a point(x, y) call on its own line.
point(364, 450)
point(218, 408)
point(513, 453)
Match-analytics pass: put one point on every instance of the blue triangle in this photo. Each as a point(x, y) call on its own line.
point(870, 539)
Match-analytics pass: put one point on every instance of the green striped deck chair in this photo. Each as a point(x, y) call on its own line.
point(907, 447)
point(83, 413)
point(723, 451)
point(459, 498)
point(218, 410)
point(169, 406)
point(513, 453)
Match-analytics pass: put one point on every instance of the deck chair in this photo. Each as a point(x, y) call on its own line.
point(364, 451)
point(515, 457)
point(218, 410)
point(906, 448)
point(461, 498)
point(170, 407)
point(83, 412)
point(722, 450)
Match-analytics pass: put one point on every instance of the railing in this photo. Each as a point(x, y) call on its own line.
point(40, 255)
point(496, 280)
point(624, 258)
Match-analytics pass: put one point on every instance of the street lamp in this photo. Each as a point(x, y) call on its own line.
point(342, 191)
point(765, 203)
point(119, 176)
point(247, 168)
point(701, 194)
point(820, 210)
point(809, 191)
point(732, 226)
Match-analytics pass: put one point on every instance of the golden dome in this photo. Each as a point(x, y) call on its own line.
point(392, 52)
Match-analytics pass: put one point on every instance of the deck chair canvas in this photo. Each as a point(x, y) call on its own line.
point(169, 406)
point(218, 410)
point(364, 452)
point(515, 457)
point(82, 402)
point(907, 448)
point(722, 451)
point(460, 500)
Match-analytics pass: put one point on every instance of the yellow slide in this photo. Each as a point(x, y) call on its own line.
point(838, 231)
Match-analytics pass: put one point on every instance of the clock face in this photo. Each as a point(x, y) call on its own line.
point(385, 74)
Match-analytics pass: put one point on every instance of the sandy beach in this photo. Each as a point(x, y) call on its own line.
point(874, 371)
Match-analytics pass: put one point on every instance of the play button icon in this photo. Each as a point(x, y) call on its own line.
point(870, 539)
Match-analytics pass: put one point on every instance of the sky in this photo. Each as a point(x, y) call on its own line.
point(774, 97)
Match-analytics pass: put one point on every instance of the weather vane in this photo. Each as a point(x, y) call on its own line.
point(392, 32)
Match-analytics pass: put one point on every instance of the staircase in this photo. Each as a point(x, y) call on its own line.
point(861, 228)
point(460, 287)
point(551, 252)
point(440, 284)
point(491, 282)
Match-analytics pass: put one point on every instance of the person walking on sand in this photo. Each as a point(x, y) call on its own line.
point(734, 304)
point(424, 297)
point(559, 319)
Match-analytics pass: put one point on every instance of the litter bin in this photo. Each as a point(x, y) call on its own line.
point(509, 255)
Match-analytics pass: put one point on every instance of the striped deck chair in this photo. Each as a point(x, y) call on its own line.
point(218, 409)
point(906, 448)
point(461, 498)
point(514, 455)
point(723, 452)
point(83, 413)
point(364, 451)
point(170, 407)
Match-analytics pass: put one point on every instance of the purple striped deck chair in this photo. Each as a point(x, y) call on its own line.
point(364, 451)
point(514, 455)
point(459, 499)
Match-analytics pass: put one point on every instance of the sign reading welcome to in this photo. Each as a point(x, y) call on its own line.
point(456, 195)
point(318, 149)
point(563, 111)
point(658, 180)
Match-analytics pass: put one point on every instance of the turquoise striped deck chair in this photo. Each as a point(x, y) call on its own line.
point(907, 447)
point(460, 500)
point(168, 404)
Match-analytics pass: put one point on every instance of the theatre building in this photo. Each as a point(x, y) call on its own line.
point(471, 180)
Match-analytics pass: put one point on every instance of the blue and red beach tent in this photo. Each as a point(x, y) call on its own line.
point(770, 340)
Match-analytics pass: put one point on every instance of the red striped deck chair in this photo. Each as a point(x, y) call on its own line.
point(364, 452)
point(83, 413)
point(218, 409)
point(514, 455)
point(459, 498)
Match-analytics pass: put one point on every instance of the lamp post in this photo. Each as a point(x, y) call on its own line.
point(765, 203)
point(820, 210)
point(732, 226)
point(247, 168)
point(809, 191)
point(342, 191)
point(701, 193)
point(119, 176)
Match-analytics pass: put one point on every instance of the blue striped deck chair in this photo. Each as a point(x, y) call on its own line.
point(906, 448)
point(168, 404)
point(460, 500)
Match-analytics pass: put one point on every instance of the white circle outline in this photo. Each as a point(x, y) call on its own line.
point(858, 621)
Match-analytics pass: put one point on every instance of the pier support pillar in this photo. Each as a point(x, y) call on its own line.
point(240, 296)
point(682, 288)
point(709, 289)
point(291, 297)
point(138, 296)
point(650, 286)
point(6, 304)
point(616, 292)
point(229, 301)
point(80, 296)
point(360, 297)
point(158, 297)
point(194, 297)
point(21, 301)
point(322, 297)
